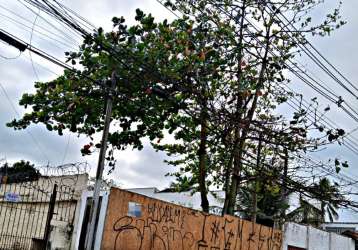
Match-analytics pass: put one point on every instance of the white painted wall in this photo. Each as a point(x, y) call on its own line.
point(318, 239)
point(314, 239)
point(81, 211)
point(340, 242)
point(59, 236)
point(295, 235)
point(79, 221)
point(101, 220)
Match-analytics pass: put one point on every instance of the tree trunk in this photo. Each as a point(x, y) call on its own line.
point(245, 130)
point(203, 160)
point(284, 189)
point(231, 191)
point(254, 205)
point(227, 184)
point(254, 193)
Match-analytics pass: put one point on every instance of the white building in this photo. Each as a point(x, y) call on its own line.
point(186, 199)
point(340, 227)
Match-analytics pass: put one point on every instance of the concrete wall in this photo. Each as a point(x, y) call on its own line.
point(310, 238)
point(318, 239)
point(24, 219)
point(137, 222)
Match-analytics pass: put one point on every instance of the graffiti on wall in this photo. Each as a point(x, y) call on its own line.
point(163, 226)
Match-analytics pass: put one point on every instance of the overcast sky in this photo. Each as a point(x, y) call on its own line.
point(135, 169)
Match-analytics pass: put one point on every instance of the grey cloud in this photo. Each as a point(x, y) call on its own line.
point(148, 170)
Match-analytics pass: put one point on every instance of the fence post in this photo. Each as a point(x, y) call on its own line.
point(51, 210)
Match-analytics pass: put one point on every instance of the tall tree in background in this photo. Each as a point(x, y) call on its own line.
point(264, 48)
point(19, 172)
point(329, 200)
point(325, 204)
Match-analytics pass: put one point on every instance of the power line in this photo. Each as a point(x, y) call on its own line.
point(307, 83)
point(21, 45)
point(298, 75)
point(303, 79)
point(10, 58)
point(62, 15)
point(31, 30)
point(321, 55)
point(326, 122)
point(61, 29)
point(339, 102)
point(333, 173)
point(62, 36)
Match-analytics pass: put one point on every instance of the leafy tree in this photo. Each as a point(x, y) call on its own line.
point(330, 197)
point(175, 95)
point(208, 78)
point(19, 172)
point(261, 56)
point(314, 211)
point(268, 201)
point(306, 213)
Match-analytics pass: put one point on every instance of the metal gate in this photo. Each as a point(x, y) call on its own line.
point(27, 208)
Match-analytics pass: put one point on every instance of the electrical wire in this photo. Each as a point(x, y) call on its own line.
point(62, 36)
point(327, 96)
point(60, 29)
point(331, 99)
point(58, 43)
point(302, 78)
point(318, 90)
point(11, 58)
point(30, 43)
point(306, 41)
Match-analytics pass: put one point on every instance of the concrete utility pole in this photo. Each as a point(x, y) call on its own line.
point(91, 232)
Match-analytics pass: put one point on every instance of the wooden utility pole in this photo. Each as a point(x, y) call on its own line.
point(91, 233)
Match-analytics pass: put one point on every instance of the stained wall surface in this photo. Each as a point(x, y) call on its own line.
point(136, 222)
point(24, 219)
point(306, 237)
